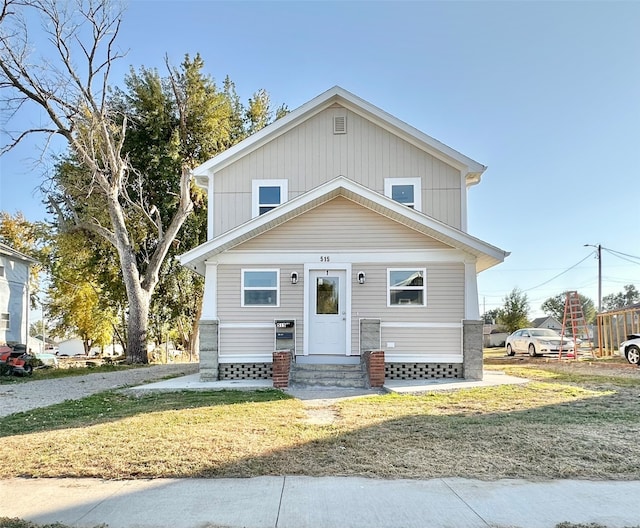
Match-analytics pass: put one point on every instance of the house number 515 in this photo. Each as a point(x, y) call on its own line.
point(324, 259)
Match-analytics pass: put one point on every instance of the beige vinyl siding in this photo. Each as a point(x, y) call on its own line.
point(310, 154)
point(422, 342)
point(249, 340)
point(243, 341)
point(341, 224)
point(445, 303)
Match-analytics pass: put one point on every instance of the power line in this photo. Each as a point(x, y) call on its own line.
point(613, 251)
point(558, 275)
point(619, 255)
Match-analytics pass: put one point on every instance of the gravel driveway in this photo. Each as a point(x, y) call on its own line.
point(29, 395)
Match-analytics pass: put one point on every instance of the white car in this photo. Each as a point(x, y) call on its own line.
point(537, 341)
point(631, 349)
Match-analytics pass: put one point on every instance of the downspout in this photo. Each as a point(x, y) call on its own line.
point(463, 199)
point(27, 306)
point(210, 200)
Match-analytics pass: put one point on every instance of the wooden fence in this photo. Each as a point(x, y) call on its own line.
point(614, 326)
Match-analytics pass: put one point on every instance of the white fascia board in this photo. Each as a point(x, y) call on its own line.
point(358, 194)
point(354, 103)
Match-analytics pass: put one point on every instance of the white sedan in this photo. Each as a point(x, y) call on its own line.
point(631, 349)
point(537, 341)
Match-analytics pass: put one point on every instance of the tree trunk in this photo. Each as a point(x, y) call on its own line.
point(137, 326)
point(139, 298)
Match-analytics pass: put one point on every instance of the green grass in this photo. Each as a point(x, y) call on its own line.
point(113, 405)
point(54, 373)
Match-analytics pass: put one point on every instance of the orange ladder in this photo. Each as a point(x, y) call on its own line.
point(574, 316)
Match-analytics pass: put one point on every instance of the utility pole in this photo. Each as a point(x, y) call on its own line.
point(599, 257)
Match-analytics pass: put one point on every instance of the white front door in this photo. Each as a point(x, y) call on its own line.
point(327, 323)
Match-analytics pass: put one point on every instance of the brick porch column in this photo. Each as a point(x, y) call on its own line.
point(374, 366)
point(281, 368)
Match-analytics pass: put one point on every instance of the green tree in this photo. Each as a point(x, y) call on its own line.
point(98, 188)
point(491, 316)
point(215, 124)
point(615, 301)
point(75, 304)
point(515, 312)
point(554, 306)
point(68, 83)
point(156, 154)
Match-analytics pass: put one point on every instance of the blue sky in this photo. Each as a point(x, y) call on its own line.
point(547, 94)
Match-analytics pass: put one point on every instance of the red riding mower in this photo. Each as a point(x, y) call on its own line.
point(15, 360)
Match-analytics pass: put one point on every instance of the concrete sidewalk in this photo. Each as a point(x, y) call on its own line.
point(192, 382)
point(327, 502)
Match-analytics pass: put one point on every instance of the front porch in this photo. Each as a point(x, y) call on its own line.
point(371, 360)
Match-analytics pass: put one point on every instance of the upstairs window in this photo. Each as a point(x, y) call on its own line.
point(260, 287)
point(1, 270)
point(407, 287)
point(407, 191)
point(267, 195)
point(4, 321)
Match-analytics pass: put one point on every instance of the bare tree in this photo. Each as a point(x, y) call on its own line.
point(71, 84)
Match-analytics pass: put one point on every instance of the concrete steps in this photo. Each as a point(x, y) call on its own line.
point(314, 375)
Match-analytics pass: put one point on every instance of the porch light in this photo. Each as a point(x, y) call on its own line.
point(294, 277)
point(361, 277)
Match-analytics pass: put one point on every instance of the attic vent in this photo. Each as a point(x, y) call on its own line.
point(340, 124)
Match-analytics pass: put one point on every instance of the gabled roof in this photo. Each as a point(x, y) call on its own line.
point(540, 320)
point(10, 252)
point(338, 95)
point(486, 254)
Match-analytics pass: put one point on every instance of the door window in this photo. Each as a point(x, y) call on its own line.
point(327, 295)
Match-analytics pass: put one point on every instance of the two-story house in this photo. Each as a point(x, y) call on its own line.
point(336, 231)
point(14, 295)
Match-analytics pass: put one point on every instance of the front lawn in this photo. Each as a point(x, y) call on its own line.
point(564, 424)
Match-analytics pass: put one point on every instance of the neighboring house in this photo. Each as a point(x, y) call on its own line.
point(493, 336)
point(14, 295)
point(336, 232)
point(75, 347)
point(547, 322)
point(71, 347)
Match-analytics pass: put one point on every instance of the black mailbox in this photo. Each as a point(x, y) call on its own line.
point(285, 335)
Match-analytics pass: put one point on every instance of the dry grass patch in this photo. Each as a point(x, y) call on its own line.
point(561, 425)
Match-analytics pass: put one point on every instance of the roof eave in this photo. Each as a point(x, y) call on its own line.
point(486, 255)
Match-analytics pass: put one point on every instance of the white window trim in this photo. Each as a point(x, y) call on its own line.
point(255, 193)
point(276, 289)
point(2, 271)
point(424, 288)
point(5, 321)
point(417, 189)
